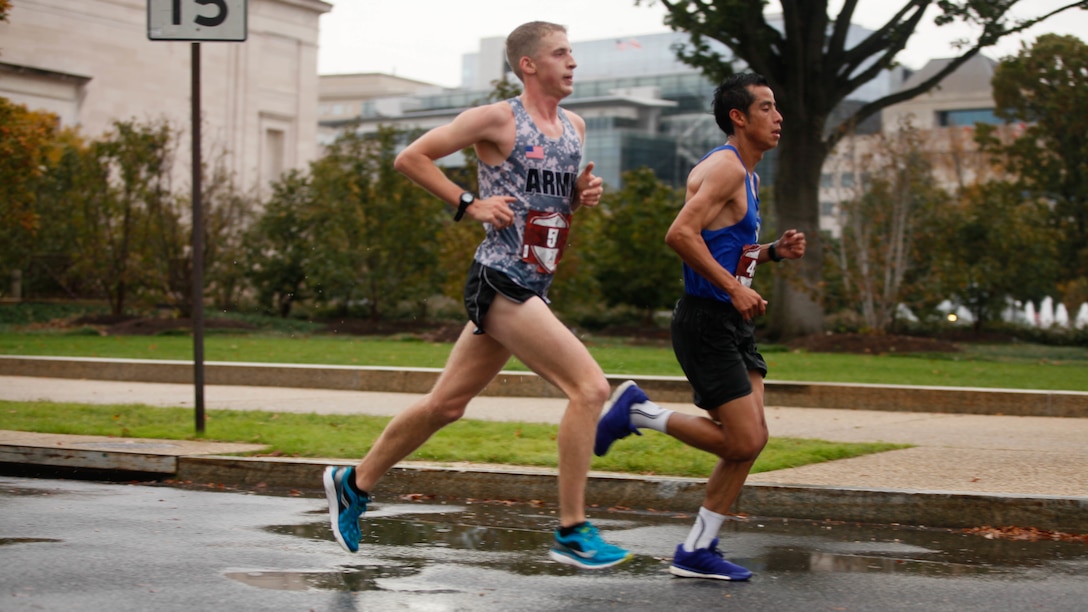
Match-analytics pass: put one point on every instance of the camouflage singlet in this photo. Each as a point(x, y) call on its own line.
point(540, 172)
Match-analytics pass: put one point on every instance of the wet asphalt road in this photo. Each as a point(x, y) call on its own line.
point(77, 545)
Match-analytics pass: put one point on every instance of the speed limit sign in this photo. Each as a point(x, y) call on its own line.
point(197, 20)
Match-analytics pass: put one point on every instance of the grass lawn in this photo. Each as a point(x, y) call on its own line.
point(1017, 366)
point(349, 437)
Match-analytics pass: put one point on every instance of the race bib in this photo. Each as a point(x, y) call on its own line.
point(746, 267)
point(545, 238)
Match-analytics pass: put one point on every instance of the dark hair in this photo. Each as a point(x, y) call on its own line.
point(734, 93)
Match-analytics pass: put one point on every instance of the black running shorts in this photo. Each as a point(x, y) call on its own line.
point(716, 348)
point(481, 287)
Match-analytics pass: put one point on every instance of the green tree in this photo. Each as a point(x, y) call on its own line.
point(503, 89)
point(632, 263)
point(26, 138)
point(989, 245)
point(812, 70)
point(1043, 88)
point(341, 185)
point(228, 213)
point(53, 252)
point(119, 188)
point(879, 226)
point(374, 230)
point(279, 243)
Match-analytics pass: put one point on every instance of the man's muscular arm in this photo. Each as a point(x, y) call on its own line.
point(707, 207)
point(486, 128)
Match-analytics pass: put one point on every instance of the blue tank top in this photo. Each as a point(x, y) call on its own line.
point(727, 244)
point(541, 173)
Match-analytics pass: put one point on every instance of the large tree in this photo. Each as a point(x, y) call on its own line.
point(1042, 87)
point(812, 70)
point(989, 246)
point(278, 246)
point(879, 225)
point(119, 201)
point(373, 229)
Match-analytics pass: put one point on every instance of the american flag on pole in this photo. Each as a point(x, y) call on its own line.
point(534, 152)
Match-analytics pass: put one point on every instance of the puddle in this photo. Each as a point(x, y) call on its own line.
point(25, 492)
point(401, 541)
point(359, 578)
point(7, 541)
point(792, 560)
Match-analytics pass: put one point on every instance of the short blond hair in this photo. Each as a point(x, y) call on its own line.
point(525, 40)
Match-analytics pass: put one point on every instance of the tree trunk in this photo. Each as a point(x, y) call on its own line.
point(797, 308)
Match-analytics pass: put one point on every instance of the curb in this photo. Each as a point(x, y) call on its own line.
point(940, 509)
point(935, 509)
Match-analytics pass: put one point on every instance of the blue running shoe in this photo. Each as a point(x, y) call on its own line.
point(585, 549)
point(345, 506)
point(706, 563)
point(616, 422)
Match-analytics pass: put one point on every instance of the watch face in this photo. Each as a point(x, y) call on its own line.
point(467, 198)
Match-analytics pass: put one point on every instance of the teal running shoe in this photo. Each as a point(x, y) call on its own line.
point(345, 506)
point(585, 549)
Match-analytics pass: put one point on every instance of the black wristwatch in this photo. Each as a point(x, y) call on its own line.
point(466, 200)
point(772, 252)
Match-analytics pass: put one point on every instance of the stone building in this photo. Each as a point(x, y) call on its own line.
point(944, 118)
point(92, 62)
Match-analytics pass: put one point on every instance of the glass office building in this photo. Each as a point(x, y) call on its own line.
point(642, 106)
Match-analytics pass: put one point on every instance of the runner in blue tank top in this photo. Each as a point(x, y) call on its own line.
point(529, 151)
point(716, 235)
point(726, 244)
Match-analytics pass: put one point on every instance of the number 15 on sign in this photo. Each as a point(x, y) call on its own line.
point(197, 20)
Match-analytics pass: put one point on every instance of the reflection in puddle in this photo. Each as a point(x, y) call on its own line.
point(794, 560)
point(354, 578)
point(408, 533)
point(515, 551)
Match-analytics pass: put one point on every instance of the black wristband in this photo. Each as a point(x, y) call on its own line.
point(773, 253)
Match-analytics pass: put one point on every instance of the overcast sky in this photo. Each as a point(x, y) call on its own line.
point(425, 39)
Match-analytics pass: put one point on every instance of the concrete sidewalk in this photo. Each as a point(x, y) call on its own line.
point(964, 470)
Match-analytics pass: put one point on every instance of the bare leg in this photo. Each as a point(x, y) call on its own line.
point(533, 334)
point(472, 364)
point(736, 432)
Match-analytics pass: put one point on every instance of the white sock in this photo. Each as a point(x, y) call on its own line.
point(649, 415)
point(705, 529)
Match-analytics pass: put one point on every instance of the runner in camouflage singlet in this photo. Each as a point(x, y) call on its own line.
point(529, 185)
point(540, 172)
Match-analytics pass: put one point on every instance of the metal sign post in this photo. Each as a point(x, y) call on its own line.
point(195, 21)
